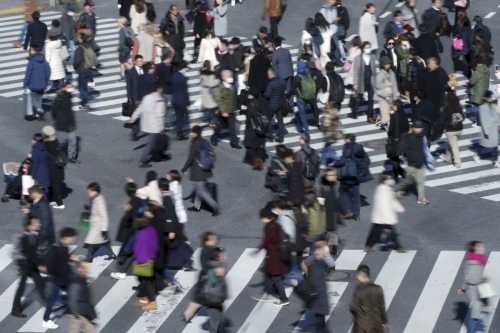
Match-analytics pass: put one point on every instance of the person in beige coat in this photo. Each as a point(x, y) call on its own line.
point(367, 25)
point(137, 15)
point(354, 51)
point(98, 235)
point(207, 49)
point(384, 214)
point(386, 91)
point(208, 82)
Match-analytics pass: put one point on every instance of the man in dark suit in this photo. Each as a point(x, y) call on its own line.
point(257, 76)
point(275, 97)
point(180, 99)
point(164, 73)
point(176, 42)
point(35, 36)
point(198, 175)
point(41, 210)
point(477, 24)
point(226, 59)
point(282, 61)
point(29, 265)
point(431, 16)
point(133, 74)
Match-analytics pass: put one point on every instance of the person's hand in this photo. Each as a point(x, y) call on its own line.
point(74, 257)
point(128, 207)
point(225, 114)
point(335, 19)
point(42, 269)
point(129, 180)
point(390, 84)
point(487, 133)
point(236, 69)
point(219, 271)
point(376, 23)
point(171, 235)
point(131, 121)
point(384, 325)
point(485, 278)
point(197, 35)
point(25, 211)
point(29, 155)
point(267, 45)
point(281, 172)
point(403, 212)
point(355, 87)
point(461, 291)
point(411, 16)
point(394, 98)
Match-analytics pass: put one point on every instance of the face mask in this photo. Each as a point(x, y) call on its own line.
point(70, 90)
point(307, 42)
point(230, 80)
point(367, 51)
point(390, 182)
point(71, 14)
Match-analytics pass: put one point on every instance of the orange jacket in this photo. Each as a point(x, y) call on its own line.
point(29, 7)
point(272, 7)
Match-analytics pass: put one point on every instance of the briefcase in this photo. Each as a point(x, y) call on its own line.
point(128, 109)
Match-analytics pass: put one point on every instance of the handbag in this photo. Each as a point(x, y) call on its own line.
point(128, 108)
point(324, 96)
point(145, 270)
point(485, 290)
point(458, 44)
point(84, 221)
point(385, 92)
point(347, 66)
point(354, 101)
point(392, 149)
point(349, 170)
point(64, 52)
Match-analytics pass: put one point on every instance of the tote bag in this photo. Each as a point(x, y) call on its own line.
point(485, 290)
point(349, 170)
point(324, 96)
point(145, 270)
point(84, 221)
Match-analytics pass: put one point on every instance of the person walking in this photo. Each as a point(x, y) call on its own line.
point(98, 235)
point(368, 27)
point(275, 99)
point(68, 27)
point(40, 170)
point(257, 75)
point(282, 62)
point(386, 84)
point(433, 80)
point(56, 171)
point(30, 6)
point(36, 32)
point(150, 191)
point(144, 44)
point(354, 51)
point(479, 82)
point(52, 50)
point(84, 70)
point(425, 44)
point(364, 79)
point(490, 122)
point(368, 305)
point(199, 175)
point(443, 34)
point(40, 209)
point(219, 13)
point(199, 27)
point(174, 177)
point(430, 17)
point(225, 97)
point(124, 8)
point(208, 104)
point(208, 46)
point(327, 35)
point(29, 264)
point(307, 155)
point(410, 14)
point(180, 99)
point(328, 191)
point(151, 112)
point(80, 301)
point(398, 126)
point(453, 117)
point(137, 15)
point(414, 65)
point(274, 9)
point(36, 79)
point(123, 50)
point(173, 22)
point(254, 142)
point(304, 89)
point(394, 28)
point(390, 51)
point(412, 150)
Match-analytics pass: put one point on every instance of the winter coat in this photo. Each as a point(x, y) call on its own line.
point(368, 309)
point(137, 19)
point(207, 51)
point(146, 245)
point(225, 99)
point(387, 53)
point(295, 184)
point(220, 19)
point(200, 23)
point(53, 57)
point(151, 112)
point(172, 224)
point(257, 75)
point(398, 125)
point(413, 22)
point(446, 57)
point(40, 170)
point(447, 116)
point(431, 18)
point(90, 19)
point(197, 173)
point(463, 33)
point(317, 279)
point(56, 172)
point(252, 139)
point(385, 205)
point(484, 49)
point(412, 69)
point(99, 222)
point(79, 63)
point(62, 112)
point(486, 33)
point(79, 300)
point(402, 51)
point(167, 23)
point(391, 30)
point(272, 264)
point(300, 158)
point(275, 93)
point(490, 121)
point(354, 51)
point(316, 216)
point(473, 277)
point(425, 46)
point(424, 109)
point(207, 82)
point(355, 151)
point(178, 44)
point(332, 205)
point(381, 80)
point(150, 192)
point(37, 73)
point(144, 45)
point(125, 229)
point(68, 26)
point(434, 83)
point(35, 34)
point(176, 189)
point(358, 67)
point(180, 94)
point(272, 8)
point(480, 82)
point(41, 210)
point(325, 47)
point(164, 77)
point(367, 31)
point(414, 151)
point(125, 8)
point(287, 222)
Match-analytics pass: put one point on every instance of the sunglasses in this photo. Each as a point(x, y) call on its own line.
point(390, 43)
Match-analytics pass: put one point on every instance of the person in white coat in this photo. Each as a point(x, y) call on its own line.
point(207, 49)
point(174, 177)
point(151, 190)
point(53, 56)
point(367, 26)
point(385, 215)
point(137, 15)
point(220, 17)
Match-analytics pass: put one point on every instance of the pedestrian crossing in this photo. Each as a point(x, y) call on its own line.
point(473, 179)
point(437, 277)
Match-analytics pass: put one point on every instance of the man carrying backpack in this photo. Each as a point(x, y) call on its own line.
point(85, 59)
point(304, 88)
point(200, 160)
point(25, 253)
point(309, 160)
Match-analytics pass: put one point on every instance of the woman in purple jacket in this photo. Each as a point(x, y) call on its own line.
point(145, 249)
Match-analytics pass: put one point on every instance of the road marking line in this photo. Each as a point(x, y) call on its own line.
point(490, 15)
point(385, 14)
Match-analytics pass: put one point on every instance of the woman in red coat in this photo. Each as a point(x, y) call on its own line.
point(273, 266)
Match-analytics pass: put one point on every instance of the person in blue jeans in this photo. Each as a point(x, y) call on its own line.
point(84, 73)
point(429, 159)
point(296, 89)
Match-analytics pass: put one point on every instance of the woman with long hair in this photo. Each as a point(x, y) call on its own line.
point(443, 33)
point(137, 15)
point(392, 53)
point(410, 14)
point(199, 28)
point(208, 82)
point(453, 117)
point(368, 25)
point(326, 33)
point(403, 48)
point(462, 30)
point(354, 51)
point(311, 39)
point(490, 121)
point(207, 48)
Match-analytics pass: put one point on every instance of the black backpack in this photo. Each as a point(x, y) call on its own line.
point(436, 128)
point(337, 88)
point(311, 166)
point(285, 248)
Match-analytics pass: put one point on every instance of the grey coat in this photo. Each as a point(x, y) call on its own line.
point(359, 73)
point(383, 77)
point(490, 120)
point(207, 82)
point(446, 57)
point(406, 17)
point(473, 277)
point(151, 112)
point(220, 19)
point(99, 221)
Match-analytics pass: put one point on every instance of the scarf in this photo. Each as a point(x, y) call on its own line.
point(477, 257)
point(91, 201)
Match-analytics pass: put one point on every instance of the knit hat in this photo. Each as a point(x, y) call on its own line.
point(417, 124)
point(48, 130)
point(235, 40)
point(70, 7)
point(385, 61)
point(301, 67)
point(53, 32)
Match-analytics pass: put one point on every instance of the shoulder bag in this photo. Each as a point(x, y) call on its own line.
point(349, 170)
point(385, 92)
point(145, 270)
point(84, 221)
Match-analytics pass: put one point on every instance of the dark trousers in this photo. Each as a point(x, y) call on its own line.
point(83, 88)
point(279, 117)
point(376, 232)
point(226, 122)
point(277, 282)
point(51, 301)
point(274, 20)
point(397, 168)
point(146, 288)
point(181, 118)
point(369, 90)
point(93, 249)
point(320, 323)
point(349, 194)
point(55, 189)
point(216, 318)
point(149, 147)
point(27, 272)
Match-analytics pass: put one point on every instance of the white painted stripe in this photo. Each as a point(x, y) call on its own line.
point(349, 260)
point(8, 295)
point(8, 26)
point(5, 256)
point(400, 4)
point(236, 279)
point(348, 39)
point(431, 300)
point(477, 188)
point(166, 305)
point(494, 197)
point(489, 15)
point(385, 14)
point(97, 267)
point(463, 178)
point(21, 17)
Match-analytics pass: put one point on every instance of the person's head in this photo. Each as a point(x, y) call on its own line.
point(444, 26)
point(122, 21)
point(390, 42)
point(477, 20)
point(366, 47)
point(183, 66)
point(410, 3)
point(32, 223)
point(277, 41)
point(130, 189)
point(398, 15)
point(320, 248)
point(67, 236)
point(403, 39)
point(173, 10)
point(263, 32)
point(49, 133)
point(140, 223)
point(356, 42)
point(35, 192)
point(271, 73)
point(420, 95)
point(247, 51)
point(93, 189)
point(207, 68)
point(139, 60)
point(174, 176)
point(196, 132)
point(55, 24)
point(363, 274)
point(432, 63)
point(288, 156)
point(87, 8)
point(476, 247)
point(37, 137)
point(157, 88)
point(35, 50)
point(158, 40)
point(82, 267)
point(266, 215)
point(258, 49)
point(227, 76)
point(330, 66)
point(350, 137)
point(397, 106)
point(489, 96)
point(166, 56)
point(235, 42)
point(163, 184)
point(407, 28)
point(478, 60)
point(304, 138)
point(224, 45)
point(209, 238)
point(387, 179)
point(35, 15)
point(278, 206)
point(149, 29)
point(330, 176)
point(370, 8)
point(437, 3)
point(461, 18)
point(452, 101)
point(70, 9)
point(331, 3)
point(417, 126)
point(280, 150)
point(478, 34)
point(423, 28)
point(309, 23)
point(310, 197)
point(151, 175)
point(412, 53)
point(385, 63)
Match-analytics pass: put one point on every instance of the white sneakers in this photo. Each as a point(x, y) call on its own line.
point(477, 158)
point(49, 324)
point(58, 206)
point(118, 276)
point(53, 203)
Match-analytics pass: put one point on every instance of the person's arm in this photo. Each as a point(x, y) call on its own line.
point(44, 220)
point(293, 87)
point(47, 72)
point(190, 158)
point(381, 305)
point(78, 57)
point(73, 293)
point(476, 76)
point(28, 37)
point(27, 76)
point(135, 49)
point(355, 305)
point(347, 19)
point(379, 81)
point(269, 91)
point(265, 11)
point(121, 40)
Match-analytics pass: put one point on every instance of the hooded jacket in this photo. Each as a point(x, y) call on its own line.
point(62, 112)
point(37, 73)
point(40, 169)
point(480, 82)
point(353, 150)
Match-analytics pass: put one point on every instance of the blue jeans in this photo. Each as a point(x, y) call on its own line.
point(336, 53)
point(300, 117)
point(475, 110)
point(83, 88)
point(71, 45)
point(329, 155)
point(295, 271)
point(36, 100)
point(51, 301)
point(341, 49)
point(23, 32)
point(429, 159)
point(349, 194)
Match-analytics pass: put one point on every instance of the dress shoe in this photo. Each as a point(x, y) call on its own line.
point(193, 209)
point(236, 146)
point(216, 213)
point(74, 160)
point(354, 115)
point(370, 120)
point(214, 143)
point(144, 165)
point(18, 314)
point(18, 45)
point(181, 137)
point(151, 306)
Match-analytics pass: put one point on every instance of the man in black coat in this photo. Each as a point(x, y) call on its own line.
point(226, 59)
point(79, 301)
point(164, 72)
point(37, 31)
point(275, 98)
point(41, 210)
point(124, 6)
point(425, 44)
point(257, 76)
point(198, 175)
point(176, 42)
point(89, 17)
point(431, 16)
point(433, 80)
point(173, 20)
point(394, 28)
point(477, 24)
point(64, 120)
point(29, 265)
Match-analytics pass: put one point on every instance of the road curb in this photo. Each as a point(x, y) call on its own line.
point(12, 11)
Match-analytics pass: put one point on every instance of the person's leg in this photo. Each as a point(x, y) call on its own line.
point(340, 45)
point(90, 254)
point(420, 178)
point(81, 84)
point(356, 199)
point(23, 32)
point(232, 129)
point(384, 115)
point(280, 287)
point(87, 326)
point(178, 118)
point(185, 120)
point(36, 101)
point(301, 116)
point(72, 145)
point(413, 102)
point(281, 125)
point(369, 90)
point(149, 288)
point(429, 159)
point(75, 324)
point(215, 319)
point(54, 296)
point(316, 112)
point(39, 284)
point(55, 188)
point(215, 136)
point(72, 48)
point(336, 52)
point(371, 240)
point(410, 178)
point(149, 146)
point(395, 237)
point(345, 205)
point(453, 145)
point(320, 323)
point(16, 306)
point(111, 254)
point(273, 21)
point(203, 195)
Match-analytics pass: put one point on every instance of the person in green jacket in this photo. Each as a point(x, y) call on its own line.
point(480, 82)
point(316, 215)
point(123, 50)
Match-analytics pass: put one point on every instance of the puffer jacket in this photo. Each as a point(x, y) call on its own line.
point(355, 151)
point(412, 69)
point(37, 73)
point(275, 93)
point(53, 57)
point(207, 82)
point(62, 112)
point(41, 170)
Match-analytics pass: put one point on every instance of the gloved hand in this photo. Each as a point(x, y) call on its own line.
point(104, 234)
